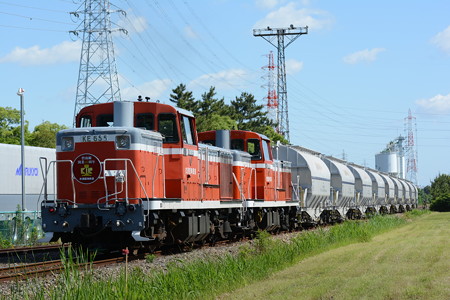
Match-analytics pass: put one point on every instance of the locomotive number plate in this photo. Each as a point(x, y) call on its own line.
point(94, 138)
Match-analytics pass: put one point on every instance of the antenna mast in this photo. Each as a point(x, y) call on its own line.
point(269, 34)
point(272, 97)
point(97, 77)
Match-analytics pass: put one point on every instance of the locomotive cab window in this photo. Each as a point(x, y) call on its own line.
point(254, 149)
point(85, 121)
point(167, 126)
point(145, 121)
point(267, 153)
point(186, 130)
point(237, 144)
point(105, 121)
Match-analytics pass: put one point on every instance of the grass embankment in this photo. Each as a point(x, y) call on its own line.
point(209, 278)
point(412, 262)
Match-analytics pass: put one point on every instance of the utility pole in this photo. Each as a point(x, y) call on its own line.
point(97, 77)
point(270, 34)
point(22, 144)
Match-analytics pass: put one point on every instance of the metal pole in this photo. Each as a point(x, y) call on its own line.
point(22, 148)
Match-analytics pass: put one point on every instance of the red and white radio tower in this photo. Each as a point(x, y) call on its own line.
point(411, 148)
point(272, 97)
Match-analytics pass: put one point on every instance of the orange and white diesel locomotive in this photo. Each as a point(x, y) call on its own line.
point(138, 174)
point(135, 172)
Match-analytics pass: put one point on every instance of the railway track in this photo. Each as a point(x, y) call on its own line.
point(34, 249)
point(30, 270)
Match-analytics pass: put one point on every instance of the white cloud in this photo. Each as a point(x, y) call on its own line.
point(293, 66)
point(442, 40)
point(133, 25)
point(290, 14)
point(437, 104)
point(227, 79)
point(153, 89)
point(266, 4)
point(365, 55)
point(35, 55)
point(190, 33)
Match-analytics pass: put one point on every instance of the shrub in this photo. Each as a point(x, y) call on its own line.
point(441, 203)
point(150, 258)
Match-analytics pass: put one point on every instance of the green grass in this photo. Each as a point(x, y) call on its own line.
point(411, 262)
point(209, 278)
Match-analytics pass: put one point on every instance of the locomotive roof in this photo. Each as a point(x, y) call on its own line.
point(178, 109)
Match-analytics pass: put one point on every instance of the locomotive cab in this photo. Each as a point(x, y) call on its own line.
point(272, 178)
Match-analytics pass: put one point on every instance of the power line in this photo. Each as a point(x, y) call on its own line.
point(33, 18)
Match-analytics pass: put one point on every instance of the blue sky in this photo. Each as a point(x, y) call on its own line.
point(351, 80)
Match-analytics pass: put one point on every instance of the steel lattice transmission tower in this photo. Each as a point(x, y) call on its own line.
point(97, 77)
point(411, 148)
point(272, 97)
point(270, 34)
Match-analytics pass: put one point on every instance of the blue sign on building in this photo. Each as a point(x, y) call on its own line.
point(28, 171)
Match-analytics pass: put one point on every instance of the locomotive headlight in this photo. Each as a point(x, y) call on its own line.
point(67, 143)
point(123, 142)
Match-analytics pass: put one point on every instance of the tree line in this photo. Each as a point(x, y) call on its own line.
point(43, 135)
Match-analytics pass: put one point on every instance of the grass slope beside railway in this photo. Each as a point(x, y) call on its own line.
point(412, 262)
point(209, 278)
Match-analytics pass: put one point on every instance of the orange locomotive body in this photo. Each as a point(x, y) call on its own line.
point(135, 173)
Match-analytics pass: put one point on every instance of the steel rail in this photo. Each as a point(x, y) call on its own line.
point(39, 248)
point(42, 268)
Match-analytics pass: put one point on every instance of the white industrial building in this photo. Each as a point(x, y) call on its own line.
point(11, 176)
point(392, 159)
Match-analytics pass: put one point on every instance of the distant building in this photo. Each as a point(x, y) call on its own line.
point(11, 180)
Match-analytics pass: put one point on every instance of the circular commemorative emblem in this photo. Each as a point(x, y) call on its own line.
point(86, 168)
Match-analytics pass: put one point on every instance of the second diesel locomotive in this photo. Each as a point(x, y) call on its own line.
point(139, 174)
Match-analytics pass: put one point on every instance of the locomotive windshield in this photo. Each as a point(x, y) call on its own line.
point(254, 149)
point(105, 120)
point(167, 126)
point(145, 120)
point(237, 144)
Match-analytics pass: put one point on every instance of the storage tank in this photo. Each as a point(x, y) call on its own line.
point(310, 176)
point(342, 182)
point(378, 187)
point(363, 185)
point(387, 162)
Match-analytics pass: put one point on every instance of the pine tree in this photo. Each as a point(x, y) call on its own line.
point(184, 99)
point(248, 114)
